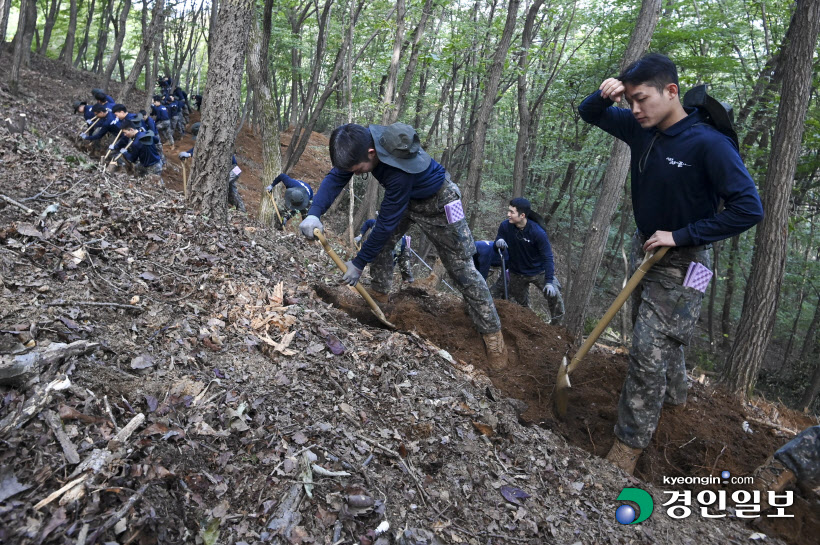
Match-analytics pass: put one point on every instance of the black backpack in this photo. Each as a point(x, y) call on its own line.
point(720, 115)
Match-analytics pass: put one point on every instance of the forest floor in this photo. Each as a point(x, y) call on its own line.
point(194, 382)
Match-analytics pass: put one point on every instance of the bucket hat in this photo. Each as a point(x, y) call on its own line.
point(399, 146)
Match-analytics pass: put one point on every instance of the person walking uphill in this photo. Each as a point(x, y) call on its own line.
point(682, 167)
point(417, 190)
point(531, 260)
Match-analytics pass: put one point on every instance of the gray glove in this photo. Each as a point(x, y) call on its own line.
point(358, 239)
point(111, 146)
point(89, 121)
point(550, 290)
point(501, 244)
point(353, 273)
point(269, 188)
point(184, 155)
point(84, 136)
point(308, 225)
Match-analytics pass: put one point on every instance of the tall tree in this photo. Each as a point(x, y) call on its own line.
point(150, 39)
point(102, 35)
point(611, 190)
point(51, 17)
point(84, 44)
point(26, 25)
point(5, 10)
point(67, 52)
point(220, 109)
point(479, 128)
point(120, 36)
point(762, 292)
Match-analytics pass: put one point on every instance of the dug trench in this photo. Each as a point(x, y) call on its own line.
point(702, 438)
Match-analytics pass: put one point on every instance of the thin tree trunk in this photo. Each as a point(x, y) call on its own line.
point(811, 333)
point(120, 36)
point(25, 32)
point(713, 294)
point(479, 132)
point(220, 105)
point(769, 259)
point(5, 10)
point(51, 18)
point(812, 390)
point(726, 311)
point(67, 53)
point(151, 38)
point(614, 178)
point(102, 36)
point(84, 44)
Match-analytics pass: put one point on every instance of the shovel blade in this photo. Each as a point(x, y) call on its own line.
point(562, 385)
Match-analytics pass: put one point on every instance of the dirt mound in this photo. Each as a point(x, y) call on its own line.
point(701, 439)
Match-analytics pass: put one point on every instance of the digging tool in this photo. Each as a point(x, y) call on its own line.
point(90, 127)
point(430, 268)
point(117, 139)
point(562, 384)
point(342, 267)
point(278, 215)
point(117, 158)
point(185, 188)
point(504, 274)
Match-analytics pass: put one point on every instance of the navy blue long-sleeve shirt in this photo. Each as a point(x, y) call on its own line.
point(144, 153)
point(160, 112)
point(150, 125)
point(529, 248)
point(679, 175)
point(367, 225)
point(487, 256)
point(399, 188)
point(108, 125)
point(290, 183)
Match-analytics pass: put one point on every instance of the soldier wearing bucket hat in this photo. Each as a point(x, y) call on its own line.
point(685, 161)
point(418, 191)
point(298, 195)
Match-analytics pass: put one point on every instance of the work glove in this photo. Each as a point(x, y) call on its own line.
point(89, 121)
point(269, 188)
point(84, 136)
point(358, 239)
point(353, 273)
point(501, 244)
point(111, 147)
point(550, 290)
point(308, 225)
point(184, 155)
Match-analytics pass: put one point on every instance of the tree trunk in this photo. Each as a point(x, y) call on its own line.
point(51, 18)
point(5, 10)
point(151, 37)
point(614, 178)
point(102, 36)
point(67, 53)
point(25, 32)
point(220, 110)
point(84, 44)
point(479, 131)
point(522, 144)
point(812, 390)
point(717, 247)
point(120, 36)
point(811, 333)
point(769, 259)
point(726, 311)
point(393, 72)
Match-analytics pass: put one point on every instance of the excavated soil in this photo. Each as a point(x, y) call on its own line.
point(703, 438)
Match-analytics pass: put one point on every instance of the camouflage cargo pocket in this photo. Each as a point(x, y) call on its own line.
point(671, 308)
point(455, 235)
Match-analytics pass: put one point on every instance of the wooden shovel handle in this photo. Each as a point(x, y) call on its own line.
point(359, 288)
point(648, 261)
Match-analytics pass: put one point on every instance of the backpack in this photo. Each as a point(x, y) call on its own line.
point(719, 114)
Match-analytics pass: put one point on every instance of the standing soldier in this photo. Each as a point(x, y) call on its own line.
point(163, 120)
point(531, 260)
point(419, 191)
point(682, 167)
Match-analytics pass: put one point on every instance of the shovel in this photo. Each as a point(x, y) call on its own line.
point(278, 215)
point(504, 274)
point(89, 127)
point(562, 384)
point(104, 159)
point(342, 267)
point(186, 190)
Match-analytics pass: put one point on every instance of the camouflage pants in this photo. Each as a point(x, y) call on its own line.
point(519, 291)
point(234, 198)
point(186, 115)
point(141, 170)
point(177, 125)
point(402, 258)
point(164, 129)
point(802, 456)
point(664, 315)
point(455, 246)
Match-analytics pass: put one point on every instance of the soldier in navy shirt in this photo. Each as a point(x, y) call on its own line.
point(682, 168)
point(163, 120)
point(141, 151)
point(531, 260)
point(298, 196)
point(418, 191)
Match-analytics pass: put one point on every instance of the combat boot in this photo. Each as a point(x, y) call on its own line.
point(772, 476)
point(624, 456)
point(496, 351)
point(379, 297)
